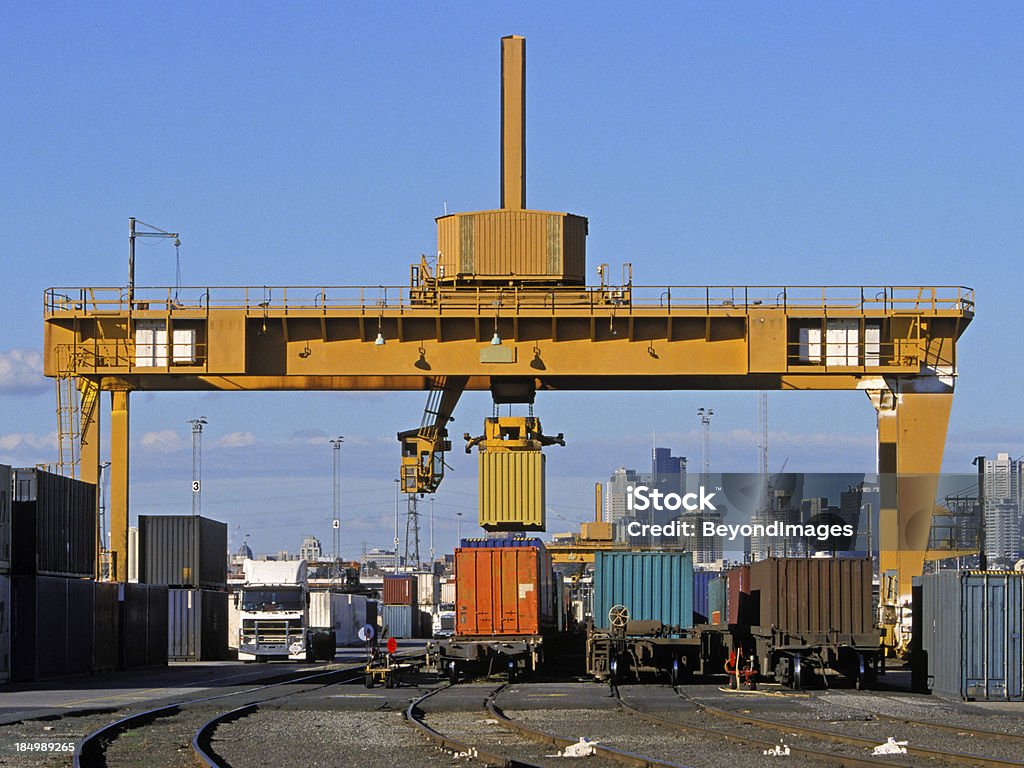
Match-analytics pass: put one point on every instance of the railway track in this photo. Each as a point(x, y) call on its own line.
point(496, 752)
point(838, 737)
point(167, 727)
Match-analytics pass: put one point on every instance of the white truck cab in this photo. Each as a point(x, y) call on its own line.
point(274, 611)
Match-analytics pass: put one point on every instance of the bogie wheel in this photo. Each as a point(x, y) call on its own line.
point(368, 681)
point(613, 672)
point(453, 673)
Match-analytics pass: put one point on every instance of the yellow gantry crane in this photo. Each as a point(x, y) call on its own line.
point(504, 307)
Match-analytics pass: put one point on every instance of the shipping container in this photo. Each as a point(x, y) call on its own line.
point(53, 525)
point(52, 627)
point(448, 592)
point(424, 622)
point(399, 620)
point(701, 580)
point(133, 554)
point(197, 625)
point(6, 492)
point(234, 623)
point(502, 541)
point(739, 605)
point(106, 649)
point(5, 628)
point(511, 490)
point(506, 591)
point(716, 601)
point(428, 589)
point(399, 590)
point(972, 627)
point(183, 551)
point(811, 595)
point(340, 613)
point(540, 246)
point(143, 614)
point(653, 586)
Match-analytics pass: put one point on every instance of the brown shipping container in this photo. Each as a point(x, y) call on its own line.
point(738, 602)
point(168, 551)
point(817, 594)
point(53, 525)
point(399, 590)
point(503, 591)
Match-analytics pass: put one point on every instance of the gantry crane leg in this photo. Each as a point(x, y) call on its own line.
point(119, 454)
point(90, 464)
point(911, 438)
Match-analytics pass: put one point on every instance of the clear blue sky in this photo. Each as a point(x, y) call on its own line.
point(313, 143)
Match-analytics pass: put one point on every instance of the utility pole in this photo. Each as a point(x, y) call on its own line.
point(336, 517)
point(431, 533)
point(197, 465)
point(412, 532)
point(705, 415)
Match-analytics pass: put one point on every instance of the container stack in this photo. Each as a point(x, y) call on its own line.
point(400, 614)
point(188, 555)
point(6, 489)
point(428, 598)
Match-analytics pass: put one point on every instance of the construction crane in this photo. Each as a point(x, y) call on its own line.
point(505, 308)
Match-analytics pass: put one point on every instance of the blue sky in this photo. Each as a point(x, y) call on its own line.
point(314, 143)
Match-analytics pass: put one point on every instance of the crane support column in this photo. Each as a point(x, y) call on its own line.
point(90, 463)
point(119, 483)
point(911, 438)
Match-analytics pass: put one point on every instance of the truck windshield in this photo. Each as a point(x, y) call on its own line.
point(272, 600)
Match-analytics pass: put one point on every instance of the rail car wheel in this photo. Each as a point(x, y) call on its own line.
point(618, 615)
point(368, 680)
point(798, 673)
point(675, 673)
point(613, 671)
point(453, 673)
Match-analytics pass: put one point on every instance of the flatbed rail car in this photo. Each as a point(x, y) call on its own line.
point(643, 619)
point(508, 610)
point(805, 619)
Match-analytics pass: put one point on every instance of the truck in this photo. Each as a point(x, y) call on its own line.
point(274, 612)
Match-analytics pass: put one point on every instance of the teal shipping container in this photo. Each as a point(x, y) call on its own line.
point(653, 586)
point(716, 601)
point(972, 634)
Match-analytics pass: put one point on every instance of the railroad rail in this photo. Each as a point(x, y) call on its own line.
point(958, 758)
point(90, 751)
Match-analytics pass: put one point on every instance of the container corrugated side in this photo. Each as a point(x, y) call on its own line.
point(505, 591)
point(6, 492)
point(701, 580)
point(197, 624)
point(5, 628)
point(52, 630)
point(448, 592)
point(653, 586)
point(973, 634)
point(428, 589)
point(106, 652)
point(399, 620)
point(399, 590)
point(740, 606)
point(813, 595)
point(53, 525)
point(143, 613)
point(511, 490)
point(168, 553)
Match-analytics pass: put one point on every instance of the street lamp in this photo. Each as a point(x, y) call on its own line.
point(398, 488)
point(197, 464)
point(705, 415)
point(336, 520)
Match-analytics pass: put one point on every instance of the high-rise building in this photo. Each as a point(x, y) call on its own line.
point(310, 550)
point(1004, 505)
point(616, 491)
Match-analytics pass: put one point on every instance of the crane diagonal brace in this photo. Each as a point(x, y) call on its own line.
point(423, 448)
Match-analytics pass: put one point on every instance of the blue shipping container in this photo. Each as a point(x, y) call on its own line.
point(972, 631)
point(654, 586)
point(399, 620)
point(701, 580)
point(503, 541)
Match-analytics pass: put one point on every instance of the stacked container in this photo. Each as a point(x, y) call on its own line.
point(504, 591)
point(653, 586)
point(339, 614)
point(701, 580)
point(188, 554)
point(53, 525)
point(400, 613)
point(6, 489)
point(972, 634)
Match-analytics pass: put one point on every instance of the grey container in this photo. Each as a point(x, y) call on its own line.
point(197, 625)
point(399, 620)
point(53, 525)
point(183, 551)
point(6, 492)
point(716, 601)
point(653, 586)
point(972, 634)
point(143, 618)
point(52, 627)
point(5, 628)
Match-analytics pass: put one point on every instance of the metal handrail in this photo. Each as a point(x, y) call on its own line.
point(375, 299)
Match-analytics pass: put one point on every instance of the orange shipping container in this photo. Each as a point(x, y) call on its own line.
point(503, 591)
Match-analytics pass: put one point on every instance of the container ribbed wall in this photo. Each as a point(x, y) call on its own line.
point(511, 490)
point(503, 591)
point(653, 586)
point(167, 551)
point(53, 530)
point(6, 491)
